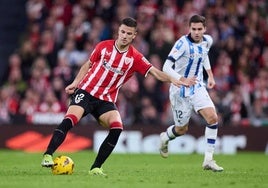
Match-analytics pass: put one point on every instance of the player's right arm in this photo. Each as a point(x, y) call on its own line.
point(168, 68)
point(82, 72)
point(176, 52)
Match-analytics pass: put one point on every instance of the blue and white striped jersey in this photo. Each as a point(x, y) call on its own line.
point(187, 59)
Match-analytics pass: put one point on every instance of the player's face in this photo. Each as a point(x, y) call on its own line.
point(197, 31)
point(126, 35)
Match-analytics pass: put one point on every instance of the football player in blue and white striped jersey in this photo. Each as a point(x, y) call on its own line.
point(186, 61)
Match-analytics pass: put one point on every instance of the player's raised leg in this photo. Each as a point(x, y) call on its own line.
point(165, 137)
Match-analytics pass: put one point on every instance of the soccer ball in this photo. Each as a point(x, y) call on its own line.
point(62, 165)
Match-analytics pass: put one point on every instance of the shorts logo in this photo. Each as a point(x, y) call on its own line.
point(79, 98)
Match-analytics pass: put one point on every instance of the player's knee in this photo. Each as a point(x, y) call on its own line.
point(212, 120)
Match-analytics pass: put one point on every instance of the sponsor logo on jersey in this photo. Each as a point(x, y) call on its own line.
point(113, 69)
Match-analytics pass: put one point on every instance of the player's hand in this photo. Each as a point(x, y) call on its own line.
point(177, 82)
point(211, 83)
point(188, 81)
point(70, 89)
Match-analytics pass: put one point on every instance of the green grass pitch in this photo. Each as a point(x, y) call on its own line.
point(250, 170)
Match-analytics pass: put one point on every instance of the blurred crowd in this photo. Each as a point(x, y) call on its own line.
point(61, 34)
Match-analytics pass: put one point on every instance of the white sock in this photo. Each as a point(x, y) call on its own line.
point(170, 133)
point(211, 132)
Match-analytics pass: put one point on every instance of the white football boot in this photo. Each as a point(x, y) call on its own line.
point(163, 146)
point(211, 165)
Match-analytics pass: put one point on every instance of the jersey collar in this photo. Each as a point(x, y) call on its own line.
point(192, 40)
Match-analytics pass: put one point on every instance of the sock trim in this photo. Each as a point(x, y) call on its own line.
point(213, 126)
point(174, 132)
point(116, 125)
point(73, 118)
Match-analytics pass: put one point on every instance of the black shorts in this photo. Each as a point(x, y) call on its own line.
point(90, 104)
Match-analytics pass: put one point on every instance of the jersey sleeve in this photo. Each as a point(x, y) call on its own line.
point(207, 63)
point(95, 55)
point(168, 68)
point(177, 50)
point(209, 40)
point(141, 64)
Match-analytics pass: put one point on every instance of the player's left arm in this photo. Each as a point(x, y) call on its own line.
point(210, 82)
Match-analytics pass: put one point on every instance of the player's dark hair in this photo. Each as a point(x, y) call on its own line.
point(198, 19)
point(130, 22)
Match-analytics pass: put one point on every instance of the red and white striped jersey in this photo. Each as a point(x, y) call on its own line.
point(111, 69)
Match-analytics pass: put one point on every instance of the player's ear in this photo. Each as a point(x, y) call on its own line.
point(134, 36)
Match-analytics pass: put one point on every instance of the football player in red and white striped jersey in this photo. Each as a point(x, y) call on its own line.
point(96, 86)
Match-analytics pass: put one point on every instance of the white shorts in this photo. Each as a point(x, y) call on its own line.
point(182, 106)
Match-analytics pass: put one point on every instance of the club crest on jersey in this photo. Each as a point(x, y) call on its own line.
point(128, 60)
point(79, 98)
